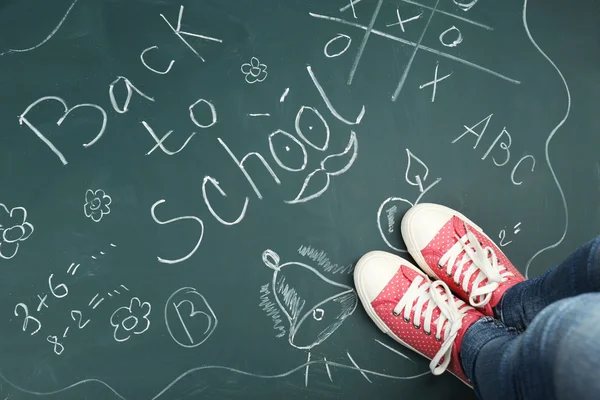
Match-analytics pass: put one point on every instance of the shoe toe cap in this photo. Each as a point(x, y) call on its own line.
point(422, 223)
point(374, 271)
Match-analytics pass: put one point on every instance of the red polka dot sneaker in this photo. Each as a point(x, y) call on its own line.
point(423, 316)
point(448, 246)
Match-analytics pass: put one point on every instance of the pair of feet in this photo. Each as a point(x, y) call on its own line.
point(460, 278)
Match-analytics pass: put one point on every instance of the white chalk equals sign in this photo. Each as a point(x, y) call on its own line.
point(73, 267)
point(97, 303)
point(517, 228)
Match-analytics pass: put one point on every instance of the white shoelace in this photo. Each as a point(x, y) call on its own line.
point(484, 265)
point(431, 296)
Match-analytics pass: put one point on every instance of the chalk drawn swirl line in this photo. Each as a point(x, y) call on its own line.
point(47, 37)
point(81, 382)
point(548, 140)
point(218, 367)
point(287, 373)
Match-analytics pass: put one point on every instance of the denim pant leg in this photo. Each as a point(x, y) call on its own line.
point(556, 358)
point(578, 274)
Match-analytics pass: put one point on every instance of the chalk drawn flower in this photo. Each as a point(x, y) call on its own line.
point(254, 71)
point(14, 229)
point(97, 204)
point(132, 319)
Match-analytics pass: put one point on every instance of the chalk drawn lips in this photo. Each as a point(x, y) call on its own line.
point(14, 229)
point(193, 312)
point(310, 324)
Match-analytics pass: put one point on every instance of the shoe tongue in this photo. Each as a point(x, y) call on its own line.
point(409, 273)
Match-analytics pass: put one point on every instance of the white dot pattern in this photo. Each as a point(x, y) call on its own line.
point(445, 239)
point(428, 345)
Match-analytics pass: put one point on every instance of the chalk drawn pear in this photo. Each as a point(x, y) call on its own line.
point(314, 305)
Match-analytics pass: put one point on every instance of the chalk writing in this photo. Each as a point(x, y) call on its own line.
point(180, 34)
point(434, 82)
point(195, 321)
point(130, 89)
point(66, 112)
point(143, 59)
point(173, 220)
point(73, 269)
point(504, 141)
point(340, 36)
point(58, 347)
point(159, 142)
point(27, 318)
point(59, 291)
point(450, 37)
point(457, 40)
point(502, 236)
point(42, 302)
point(188, 316)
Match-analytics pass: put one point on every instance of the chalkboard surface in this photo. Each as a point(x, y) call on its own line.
point(178, 177)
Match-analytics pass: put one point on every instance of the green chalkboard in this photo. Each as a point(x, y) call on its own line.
point(177, 176)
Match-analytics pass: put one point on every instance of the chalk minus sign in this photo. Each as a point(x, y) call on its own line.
point(259, 115)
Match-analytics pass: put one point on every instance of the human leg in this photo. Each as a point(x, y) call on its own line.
point(556, 358)
point(578, 274)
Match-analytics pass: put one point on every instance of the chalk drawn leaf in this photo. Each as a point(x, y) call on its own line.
point(315, 184)
point(14, 229)
point(337, 164)
point(416, 170)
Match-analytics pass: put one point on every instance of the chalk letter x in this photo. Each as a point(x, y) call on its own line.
point(434, 82)
point(159, 142)
point(401, 21)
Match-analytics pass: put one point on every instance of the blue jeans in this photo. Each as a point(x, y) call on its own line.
point(546, 343)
